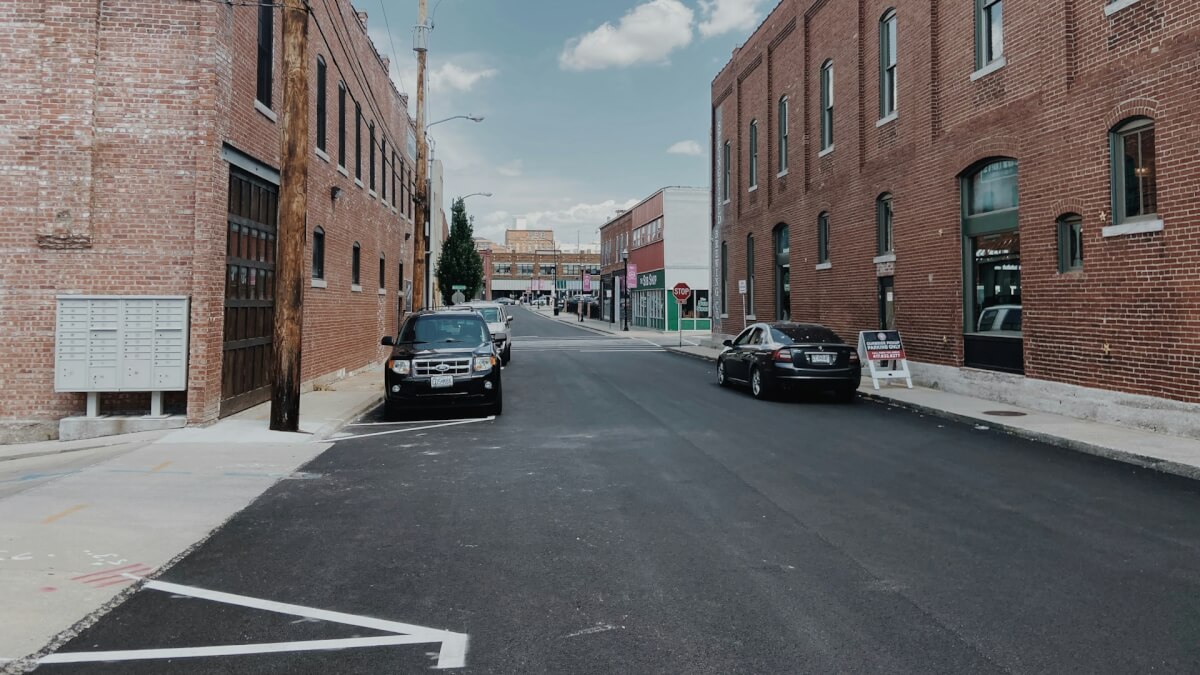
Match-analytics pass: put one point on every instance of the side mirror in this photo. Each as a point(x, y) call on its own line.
point(727, 343)
point(508, 320)
point(387, 341)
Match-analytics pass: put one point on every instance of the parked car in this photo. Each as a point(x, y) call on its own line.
point(498, 320)
point(774, 357)
point(442, 359)
point(506, 301)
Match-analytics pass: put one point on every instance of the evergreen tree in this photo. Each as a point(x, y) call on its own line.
point(459, 263)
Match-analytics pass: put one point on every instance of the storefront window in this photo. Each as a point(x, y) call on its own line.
point(993, 188)
point(996, 259)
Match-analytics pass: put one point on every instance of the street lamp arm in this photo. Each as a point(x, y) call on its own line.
point(476, 194)
point(473, 118)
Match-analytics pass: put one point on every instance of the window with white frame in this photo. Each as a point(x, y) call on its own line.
point(827, 105)
point(887, 64)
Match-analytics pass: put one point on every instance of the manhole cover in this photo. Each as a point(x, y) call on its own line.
point(1004, 413)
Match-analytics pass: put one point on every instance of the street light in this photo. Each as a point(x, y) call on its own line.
point(473, 118)
point(625, 284)
point(476, 194)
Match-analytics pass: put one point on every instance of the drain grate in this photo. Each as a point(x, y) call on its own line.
point(1004, 413)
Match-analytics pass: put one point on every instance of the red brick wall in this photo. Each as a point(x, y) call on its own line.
point(111, 180)
point(1072, 73)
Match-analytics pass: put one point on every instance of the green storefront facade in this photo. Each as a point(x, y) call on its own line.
point(654, 305)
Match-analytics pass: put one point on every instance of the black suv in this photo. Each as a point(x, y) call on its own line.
point(442, 359)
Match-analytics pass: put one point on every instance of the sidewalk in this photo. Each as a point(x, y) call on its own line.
point(690, 337)
point(1169, 454)
point(67, 542)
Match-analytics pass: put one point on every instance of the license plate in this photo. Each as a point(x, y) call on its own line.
point(441, 381)
point(824, 359)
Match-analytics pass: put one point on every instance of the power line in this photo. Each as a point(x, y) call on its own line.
point(395, 58)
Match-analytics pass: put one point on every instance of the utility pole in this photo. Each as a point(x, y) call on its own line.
point(293, 205)
point(420, 243)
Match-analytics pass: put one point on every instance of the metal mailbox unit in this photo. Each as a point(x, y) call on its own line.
point(118, 343)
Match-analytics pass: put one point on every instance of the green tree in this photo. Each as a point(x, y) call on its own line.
point(459, 263)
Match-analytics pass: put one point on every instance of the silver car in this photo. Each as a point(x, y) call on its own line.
point(498, 319)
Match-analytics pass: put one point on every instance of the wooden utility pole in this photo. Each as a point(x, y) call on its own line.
point(420, 243)
point(293, 205)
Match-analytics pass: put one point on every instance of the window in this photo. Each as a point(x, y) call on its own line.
point(887, 64)
point(753, 154)
point(318, 254)
point(546, 269)
point(502, 268)
point(989, 32)
point(358, 141)
point(827, 106)
point(750, 274)
point(321, 114)
point(393, 178)
point(355, 265)
point(383, 159)
point(371, 152)
point(823, 238)
point(1134, 189)
point(342, 124)
point(525, 269)
point(883, 223)
point(992, 267)
point(725, 168)
point(783, 135)
point(266, 53)
point(783, 274)
point(1070, 243)
point(382, 273)
point(724, 278)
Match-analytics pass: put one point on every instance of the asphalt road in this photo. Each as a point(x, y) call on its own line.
point(626, 515)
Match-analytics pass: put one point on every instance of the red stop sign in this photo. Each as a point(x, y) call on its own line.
point(681, 291)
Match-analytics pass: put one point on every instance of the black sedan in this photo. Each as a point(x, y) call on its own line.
point(443, 359)
point(773, 357)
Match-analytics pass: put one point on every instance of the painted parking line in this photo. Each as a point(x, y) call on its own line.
point(489, 418)
point(383, 424)
point(453, 652)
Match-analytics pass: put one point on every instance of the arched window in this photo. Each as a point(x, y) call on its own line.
point(883, 223)
point(827, 105)
point(341, 124)
point(318, 254)
point(753, 154)
point(992, 285)
point(1070, 242)
point(887, 64)
point(783, 274)
point(321, 114)
point(382, 273)
point(1135, 194)
point(356, 265)
point(783, 135)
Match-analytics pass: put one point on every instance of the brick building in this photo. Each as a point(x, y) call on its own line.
point(531, 263)
point(666, 240)
point(1009, 183)
point(139, 155)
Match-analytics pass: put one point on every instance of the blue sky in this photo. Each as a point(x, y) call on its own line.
point(583, 99)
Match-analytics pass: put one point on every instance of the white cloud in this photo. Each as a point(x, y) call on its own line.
point(512, 169)
point(458, 78)
point(724, 16)
point(686, 148)
point(579, 220)
point(648, 33)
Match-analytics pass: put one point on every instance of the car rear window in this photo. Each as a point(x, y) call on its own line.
point(468, 330)
point(490, 314)
point(800, 333)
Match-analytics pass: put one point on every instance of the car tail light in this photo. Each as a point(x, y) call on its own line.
point(853, 357)
point(782, 356)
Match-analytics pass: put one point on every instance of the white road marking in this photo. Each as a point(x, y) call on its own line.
point(453, 653)
point(631, 349)
point(489, 418)
point(381, 424)
point(588, 631)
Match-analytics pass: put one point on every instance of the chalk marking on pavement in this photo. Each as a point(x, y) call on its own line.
point(63, 514)
point(589, 631)
point(489, 418)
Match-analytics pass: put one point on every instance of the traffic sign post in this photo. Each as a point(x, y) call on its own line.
point(681, 292)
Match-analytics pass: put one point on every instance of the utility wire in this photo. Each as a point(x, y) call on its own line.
point(395, 58)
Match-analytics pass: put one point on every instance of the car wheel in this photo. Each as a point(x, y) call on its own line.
point(758, 384)
point(497, 406)
point(721, 380)
point(507, 356)
point(847, 394)
point(391, 409)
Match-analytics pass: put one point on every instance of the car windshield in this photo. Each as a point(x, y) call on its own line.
point(490, 314)
point(467, 330)
point(801, 333)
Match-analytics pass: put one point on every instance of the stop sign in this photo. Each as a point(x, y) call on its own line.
point(681, 292)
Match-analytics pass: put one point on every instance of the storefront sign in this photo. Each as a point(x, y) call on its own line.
point(876, 347)
point(587, 283)
point(631, 280)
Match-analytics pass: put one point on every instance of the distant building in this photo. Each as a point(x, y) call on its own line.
point(529, 241)
point(666, 239)
point(531, 263)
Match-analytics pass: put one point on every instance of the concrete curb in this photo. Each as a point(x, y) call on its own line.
point(1123, 456)
point(330, 428)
